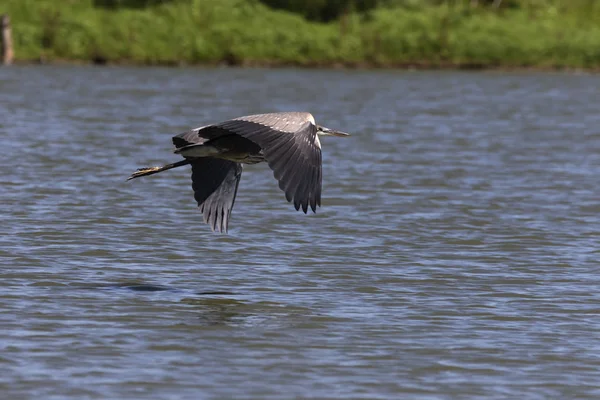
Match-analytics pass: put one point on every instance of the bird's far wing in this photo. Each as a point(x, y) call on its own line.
point(292, 150)
point(215, 183)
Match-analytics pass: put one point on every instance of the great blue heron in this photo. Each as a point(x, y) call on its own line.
point(287, 141)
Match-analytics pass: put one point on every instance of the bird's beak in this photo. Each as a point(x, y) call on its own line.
point(331, 132)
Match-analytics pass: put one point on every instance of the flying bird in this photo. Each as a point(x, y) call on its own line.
point(287, 141)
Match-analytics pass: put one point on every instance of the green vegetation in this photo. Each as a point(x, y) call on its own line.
point(483, 33)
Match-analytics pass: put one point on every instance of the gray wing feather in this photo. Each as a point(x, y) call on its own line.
point(290, 145)
point(215, 183)
point(289, 122)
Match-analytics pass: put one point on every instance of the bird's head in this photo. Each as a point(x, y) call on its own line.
point(321, 130)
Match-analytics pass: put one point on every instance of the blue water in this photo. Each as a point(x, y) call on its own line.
point(455, 255)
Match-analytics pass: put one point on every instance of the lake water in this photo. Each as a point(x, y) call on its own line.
point(455, 255)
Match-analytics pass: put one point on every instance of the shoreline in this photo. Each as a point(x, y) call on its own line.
point(343, 66)
point(245, 33)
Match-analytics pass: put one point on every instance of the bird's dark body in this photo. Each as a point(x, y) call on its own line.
point(230, 147)
point(288, 142)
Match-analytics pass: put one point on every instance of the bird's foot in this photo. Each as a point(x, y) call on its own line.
point(144, 171)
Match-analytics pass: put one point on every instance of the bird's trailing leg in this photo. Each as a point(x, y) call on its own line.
point(156, 170)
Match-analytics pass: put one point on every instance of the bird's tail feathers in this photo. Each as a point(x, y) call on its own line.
point(156, 170)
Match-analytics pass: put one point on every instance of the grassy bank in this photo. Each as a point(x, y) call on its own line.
point(249, 33)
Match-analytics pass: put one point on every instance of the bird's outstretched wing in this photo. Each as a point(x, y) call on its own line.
point(215, 183)
point(292, 149)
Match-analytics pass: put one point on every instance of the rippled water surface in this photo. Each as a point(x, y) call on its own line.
point(455, 255)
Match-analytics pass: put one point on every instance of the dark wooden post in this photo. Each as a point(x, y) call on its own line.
point(7, 48)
